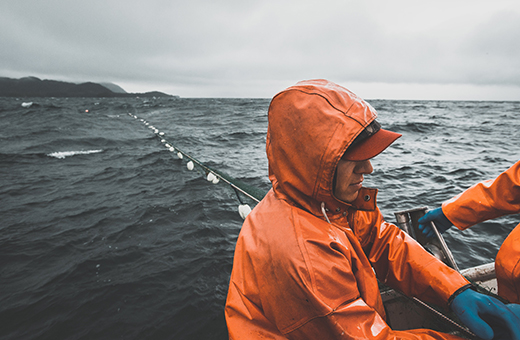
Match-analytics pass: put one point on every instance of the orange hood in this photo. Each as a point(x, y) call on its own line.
point(311, 124)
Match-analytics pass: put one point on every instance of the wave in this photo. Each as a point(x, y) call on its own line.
point(63, 154)
point(130, 225)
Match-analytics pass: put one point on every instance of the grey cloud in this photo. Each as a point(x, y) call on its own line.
point(257, 42)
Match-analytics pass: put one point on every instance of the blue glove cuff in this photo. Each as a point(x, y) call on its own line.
point(458, 292)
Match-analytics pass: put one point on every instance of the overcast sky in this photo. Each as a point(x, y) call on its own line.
point(468, 49)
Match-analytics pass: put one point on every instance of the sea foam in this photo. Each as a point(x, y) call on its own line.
point(64, 154)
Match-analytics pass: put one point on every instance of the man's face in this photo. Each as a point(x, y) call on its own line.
point(349, 178)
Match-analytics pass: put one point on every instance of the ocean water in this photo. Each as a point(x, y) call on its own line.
point(105, 233)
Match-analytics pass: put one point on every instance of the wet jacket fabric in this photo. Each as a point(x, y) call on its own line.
point(488, 200)
point(297, 276)
point(507, 267)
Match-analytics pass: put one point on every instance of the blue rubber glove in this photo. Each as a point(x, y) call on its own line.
point(502, 333)
point(486, 316)
point(437, 216)
point(514, 308)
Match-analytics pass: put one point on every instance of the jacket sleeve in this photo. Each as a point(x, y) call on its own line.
point(402, 263)
point(356, 320)
point(486, 200)
point(416, 270)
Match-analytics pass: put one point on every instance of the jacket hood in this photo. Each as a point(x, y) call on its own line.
point(310, 125)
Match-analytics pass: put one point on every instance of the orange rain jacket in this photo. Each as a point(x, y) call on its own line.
point(487, 200)
point(295, 276)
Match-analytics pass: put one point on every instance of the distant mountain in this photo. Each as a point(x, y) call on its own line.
point(35, 87)
point(113, 87)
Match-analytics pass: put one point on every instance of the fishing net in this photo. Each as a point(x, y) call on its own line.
point(243, 191)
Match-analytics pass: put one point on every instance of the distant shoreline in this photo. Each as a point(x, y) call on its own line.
point(34, 87)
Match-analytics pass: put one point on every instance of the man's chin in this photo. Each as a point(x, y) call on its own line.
point(349, 198)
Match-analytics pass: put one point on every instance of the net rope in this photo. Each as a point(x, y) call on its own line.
point(212, 175)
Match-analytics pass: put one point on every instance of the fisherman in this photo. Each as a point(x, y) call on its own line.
point(309, 255)
point(484, 201)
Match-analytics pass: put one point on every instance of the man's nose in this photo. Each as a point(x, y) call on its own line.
point(364, 167)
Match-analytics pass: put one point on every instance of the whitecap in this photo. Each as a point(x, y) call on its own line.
point(27, 104)
point(63, 154)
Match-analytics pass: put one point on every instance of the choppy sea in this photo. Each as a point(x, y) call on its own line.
point(105, 233)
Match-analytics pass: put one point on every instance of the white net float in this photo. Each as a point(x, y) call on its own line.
point(244, 210)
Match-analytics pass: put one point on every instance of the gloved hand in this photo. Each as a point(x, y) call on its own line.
point(486, 316)
point(437, 216)
point(515, 308)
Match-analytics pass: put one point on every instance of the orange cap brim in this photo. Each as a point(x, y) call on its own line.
point(371, 146)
